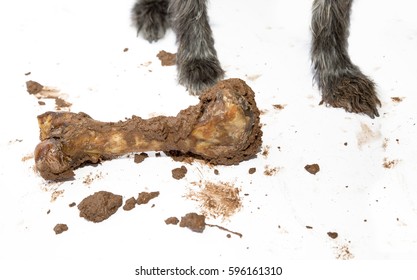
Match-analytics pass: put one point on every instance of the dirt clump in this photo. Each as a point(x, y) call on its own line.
point(194, 222)
point(166, 58)
point(145, 197)
point(60, 228)
point(312, 168)
point(332, 235)
point(172, 221)
point(129, 204)
point(99, 206)
point(179, 173)
point(138, 158)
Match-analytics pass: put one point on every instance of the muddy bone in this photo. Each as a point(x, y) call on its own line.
point(223, 128)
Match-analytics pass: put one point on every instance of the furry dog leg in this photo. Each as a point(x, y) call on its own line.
point(341, 82)
point(151, 18)
point(197, 63)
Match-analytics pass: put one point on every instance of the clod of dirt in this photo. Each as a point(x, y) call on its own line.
point(140, 157)
point(99, 206)
point(194, 222)
point(312, 168)
point(172, 221)
point(252, 170)
point(145, 197)
point(61, 103)
point(33, 87)
point(60, 228)
point(332, 235)
point(179, 173)
point(166, 58)
point(397, 99)
point(129, 204)
point(72, 204)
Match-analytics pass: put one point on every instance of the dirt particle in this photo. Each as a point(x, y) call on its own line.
point(138, 158)
point(33, 87)
point(265, 151)
point(388, 164)
point(271, 171)
point(252, 170)
point(312, 168)
point(179, 173)
point(28, 73)
point(125, 49)
point(56, 194)
point(172, 221)
point(41, 103)
point(309, 227)
point(145, 197)
point(279, 106)
point(166, 58)
point(99, 206)
point(194, 222)
point(332, 235)
point(72, 204)
point(216, 172)
point(343, 253)
point(90, 178)
point(397, 99)
point(60, 228)
point(61, 103)
point(49, 211)
point(129, 204)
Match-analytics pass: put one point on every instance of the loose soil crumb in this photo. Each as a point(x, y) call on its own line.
point(265, 151)
point(172, 221)
point(397, 99)
point(343, 253)
point(90, 178)
point(217, 199)
point(166, 58)
point(216, 172)
point(332, 235)
point(179, 173)
point(99, 206)
point(140, 157)
point(252, 170)
point(60, 228)
point(55, 194)
point(145, 197)
point(33, 87)
point(312, 168)
point(309, 227)
point(125, 49)
point(388, 164)
point(279, 106)
point(129, 204)
point(271, 171)
point(72, 204)
point(61, 103)
point(194, 222)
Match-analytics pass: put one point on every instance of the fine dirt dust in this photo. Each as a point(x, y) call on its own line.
point(99, 206)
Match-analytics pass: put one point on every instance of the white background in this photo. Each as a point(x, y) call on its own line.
point(77, 47)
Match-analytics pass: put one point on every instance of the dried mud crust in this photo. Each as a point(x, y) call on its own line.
point(224, 128)
point(99, 206)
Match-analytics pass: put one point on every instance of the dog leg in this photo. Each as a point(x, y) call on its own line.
point(151, 18)
point(342, 83)
point(197, 63)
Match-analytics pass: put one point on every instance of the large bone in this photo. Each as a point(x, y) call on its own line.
point(222, 129)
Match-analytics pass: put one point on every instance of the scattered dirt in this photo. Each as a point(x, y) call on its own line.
point(172, 221)
point(312, 168)
point(388, 164)
point(194, 222)
point(217, 199)
point(140, 157)
point(397, 99)
point(265, 151)
point(33, 87)
point(343, 253)
point(367, 135)
point(61, 104)
point(279, 106)
point(72, 204)
point(60, 228)
point(99, 206)
point(179, 173)
point(91, 177)
point(145, 197)
point(129, 204)
point(252, 170)
point(271, 171)
point(332, 235)
point(55, 194)
point(166, 58)
point(43, 92)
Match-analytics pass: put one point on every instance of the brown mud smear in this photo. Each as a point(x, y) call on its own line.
point(166, 58)
point(312, 168)
point(179, 173)
point(60, 228)
point(99, 206)
point(145, 197)
point(194, 222)
point(43, 92)
point(224, 128)
point(217, 199)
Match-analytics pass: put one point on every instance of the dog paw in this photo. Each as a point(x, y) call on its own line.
point(151, 18)
point(199, 74)
point(352, 91)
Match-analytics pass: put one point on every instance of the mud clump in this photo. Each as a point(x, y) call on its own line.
point(194, 222)
point(166, 58)
point(332, 235)
point(99, 206)
point(179, 173)
point(138, 158)
point(60, 228)
point(129, 204)
point(312, 168)
point(145, 197)
point(172, 221)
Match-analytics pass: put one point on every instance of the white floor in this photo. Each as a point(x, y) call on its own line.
point(77, 47)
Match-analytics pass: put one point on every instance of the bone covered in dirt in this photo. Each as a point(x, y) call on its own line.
point(223, 128)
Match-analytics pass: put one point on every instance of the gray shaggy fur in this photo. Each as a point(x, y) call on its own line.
point(342, 84)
